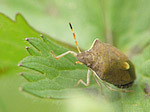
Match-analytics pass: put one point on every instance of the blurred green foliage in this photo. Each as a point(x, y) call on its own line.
point(12, 35)
point(124, 23)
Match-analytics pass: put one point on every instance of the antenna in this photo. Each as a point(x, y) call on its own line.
point(74, 38)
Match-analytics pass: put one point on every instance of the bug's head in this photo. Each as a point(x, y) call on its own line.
point(85, 57)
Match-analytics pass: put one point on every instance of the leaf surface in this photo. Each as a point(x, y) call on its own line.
point(125, 22)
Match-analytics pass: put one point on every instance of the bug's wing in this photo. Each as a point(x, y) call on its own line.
point(131, 70)
point(117, 74)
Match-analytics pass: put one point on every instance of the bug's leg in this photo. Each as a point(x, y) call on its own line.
point(61, 55)
point(120, 90)
point(99, 84)
point(88, 79)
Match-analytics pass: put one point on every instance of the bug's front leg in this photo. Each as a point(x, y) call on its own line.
point(88, 80)
point(62, 55)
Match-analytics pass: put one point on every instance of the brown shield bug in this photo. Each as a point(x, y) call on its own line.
point(107, 63)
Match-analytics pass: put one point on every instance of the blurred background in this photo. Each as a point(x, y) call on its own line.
point(122, 23)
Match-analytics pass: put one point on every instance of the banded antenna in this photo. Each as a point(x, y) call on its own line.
point(74, 38)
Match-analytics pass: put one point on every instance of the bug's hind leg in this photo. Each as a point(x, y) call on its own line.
point(62, 55)
point(110, 88)
point(84, 83)
point(120, 90)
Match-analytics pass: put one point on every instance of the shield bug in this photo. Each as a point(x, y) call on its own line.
point(107, 63)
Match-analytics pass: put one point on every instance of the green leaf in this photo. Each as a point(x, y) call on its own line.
point(127, 33)
point(56, 77)
point(12, 50)
point(11, 39)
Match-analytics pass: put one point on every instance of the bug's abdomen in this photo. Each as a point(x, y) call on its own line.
point(125, 85)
